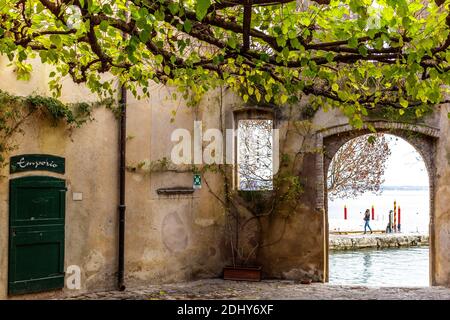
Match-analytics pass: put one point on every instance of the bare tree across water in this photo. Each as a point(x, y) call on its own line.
point(358, 167)
point(255, 154)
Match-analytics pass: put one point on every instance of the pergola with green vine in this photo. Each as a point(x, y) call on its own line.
point(357, 55)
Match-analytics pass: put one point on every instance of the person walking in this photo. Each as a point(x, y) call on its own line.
point(391, 218)
point(391, 221)
point(367, 220)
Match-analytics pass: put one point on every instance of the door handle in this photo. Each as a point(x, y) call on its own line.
point(13, 232)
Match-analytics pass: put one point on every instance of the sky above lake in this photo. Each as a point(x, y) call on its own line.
point(405, 166)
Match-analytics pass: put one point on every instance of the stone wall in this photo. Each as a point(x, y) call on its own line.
point(168, 238)
point(171, 238)
point(354, 242)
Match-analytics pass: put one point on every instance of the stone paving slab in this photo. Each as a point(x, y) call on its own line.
point(270, 290)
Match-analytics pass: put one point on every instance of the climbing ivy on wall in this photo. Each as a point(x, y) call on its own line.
point(16, 110)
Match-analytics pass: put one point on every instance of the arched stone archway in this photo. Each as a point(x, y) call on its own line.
point(423, 138)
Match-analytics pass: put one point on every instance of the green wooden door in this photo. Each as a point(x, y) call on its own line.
point(36, 234)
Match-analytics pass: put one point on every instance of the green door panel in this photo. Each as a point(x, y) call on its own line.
point(36, 245)
point(37, 201)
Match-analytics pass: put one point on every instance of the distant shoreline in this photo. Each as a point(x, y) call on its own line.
point(402, 188)
point(406, 188)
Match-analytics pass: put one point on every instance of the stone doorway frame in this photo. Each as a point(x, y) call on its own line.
point(422, 137)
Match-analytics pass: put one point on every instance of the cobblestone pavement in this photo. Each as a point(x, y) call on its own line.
point(221, 289)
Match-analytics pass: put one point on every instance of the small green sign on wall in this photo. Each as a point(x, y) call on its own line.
point(197, 181)
point(32, 162)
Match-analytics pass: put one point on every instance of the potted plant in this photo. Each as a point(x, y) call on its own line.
point(244, 236)
point(258, 196)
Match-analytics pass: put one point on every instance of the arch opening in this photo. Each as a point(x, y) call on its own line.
point(399, 258)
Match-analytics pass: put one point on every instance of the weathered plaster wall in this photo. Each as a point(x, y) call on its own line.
point(441, 249)
point(294, 237)
point(90, 168)
point(174, 238)
point(170, 238)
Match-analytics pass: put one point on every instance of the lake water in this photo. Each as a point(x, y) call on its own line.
point(414, 204)
point(385, 267)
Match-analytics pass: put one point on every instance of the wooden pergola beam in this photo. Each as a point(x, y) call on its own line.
point(246, 24)
point(232, 3)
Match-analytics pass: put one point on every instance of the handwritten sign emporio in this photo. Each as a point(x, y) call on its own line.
point(33, 162)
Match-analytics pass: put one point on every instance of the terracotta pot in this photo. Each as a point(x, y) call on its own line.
point(306, 281)
point(242, 273)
